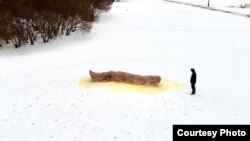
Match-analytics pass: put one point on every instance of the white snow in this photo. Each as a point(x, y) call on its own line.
point(40, 96)
point(229, 5)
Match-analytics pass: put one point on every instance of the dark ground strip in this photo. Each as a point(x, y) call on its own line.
point(209, 8)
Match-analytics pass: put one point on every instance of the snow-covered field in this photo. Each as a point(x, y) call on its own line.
point(229, 5)
point(41, 99)
point(218, 2)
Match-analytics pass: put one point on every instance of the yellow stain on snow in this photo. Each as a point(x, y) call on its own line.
point(164, 86)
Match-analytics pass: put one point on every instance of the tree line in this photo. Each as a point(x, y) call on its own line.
point(25, 21)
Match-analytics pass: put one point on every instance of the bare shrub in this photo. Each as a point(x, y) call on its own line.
point(23, 21)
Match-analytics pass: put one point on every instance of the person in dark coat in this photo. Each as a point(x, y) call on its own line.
point(193, 81)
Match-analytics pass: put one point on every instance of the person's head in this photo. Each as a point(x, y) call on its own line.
point(192, 70)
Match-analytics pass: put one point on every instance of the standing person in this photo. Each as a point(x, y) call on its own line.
point(193, 81)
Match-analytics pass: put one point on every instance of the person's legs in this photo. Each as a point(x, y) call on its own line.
point(193, 88)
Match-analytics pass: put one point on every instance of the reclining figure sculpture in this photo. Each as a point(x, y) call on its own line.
point(119, 76)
